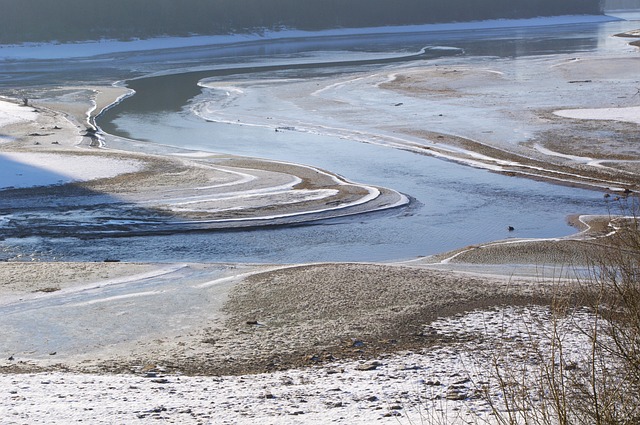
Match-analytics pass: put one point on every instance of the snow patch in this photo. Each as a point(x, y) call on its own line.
point(25, 169)
point(629, 114)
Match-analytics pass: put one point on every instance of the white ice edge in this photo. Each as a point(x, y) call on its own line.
point(575, 158)
point(91, 113)
point(582, 219)
point(165, 270)
point(115, 298)
point(372, 193)
point(242, 276)
point(476, 160)
point(243, 178)
point(302, 196)
point(228, 195)
point(119, 99)
point(101, 47)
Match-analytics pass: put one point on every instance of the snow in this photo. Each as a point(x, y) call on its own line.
point(102, 47)
point(629, 114)
point(444, 384)
point(29, 169)
point(10, 113)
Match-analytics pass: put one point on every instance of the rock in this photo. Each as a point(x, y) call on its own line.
point(571, 366)
point(368, 366)
point(391, 414)
point(410, 367)
point(314, 358)
point(455, 394)
point(357, 343)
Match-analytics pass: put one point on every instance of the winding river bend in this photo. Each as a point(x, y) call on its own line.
point(452, 205)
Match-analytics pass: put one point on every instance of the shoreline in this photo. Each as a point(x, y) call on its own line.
point(210, 192)
point(41, 50)
point(483, 276)
point(583, 161)
point(234, 285)
point(487, 275)
point(198, 342)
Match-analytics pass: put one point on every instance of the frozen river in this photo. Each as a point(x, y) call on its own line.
point(452, 205)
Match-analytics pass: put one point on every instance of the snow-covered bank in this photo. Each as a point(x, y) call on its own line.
point(45, 148)
point(102, 47)
point(11, 113)
point(28, 169)
point(630, 114)
point(445, 384)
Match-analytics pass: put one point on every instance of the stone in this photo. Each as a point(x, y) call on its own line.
point(368, 366)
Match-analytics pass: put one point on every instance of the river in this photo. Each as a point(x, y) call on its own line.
point(452, 205)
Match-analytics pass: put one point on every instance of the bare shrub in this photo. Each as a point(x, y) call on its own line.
point(598, 382)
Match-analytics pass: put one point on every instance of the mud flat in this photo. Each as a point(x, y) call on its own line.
point(296, 344)
point(220, 319)
point(146, 194)
point(491, 113)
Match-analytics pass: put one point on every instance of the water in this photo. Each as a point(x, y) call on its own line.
point(42, 22)
point(453, 205)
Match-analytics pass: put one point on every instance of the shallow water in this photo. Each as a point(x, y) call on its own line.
point(453, 205)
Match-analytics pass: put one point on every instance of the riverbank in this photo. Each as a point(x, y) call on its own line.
point(55, 162)
point(236, 319)
point(354, 343)
point(302, 343)
point(146, 194)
